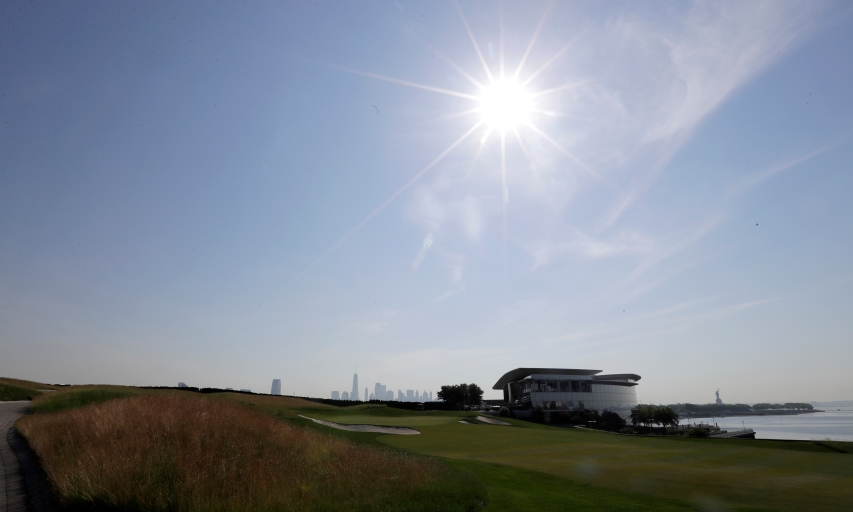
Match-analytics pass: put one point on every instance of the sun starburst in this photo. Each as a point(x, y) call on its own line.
point(504, 104)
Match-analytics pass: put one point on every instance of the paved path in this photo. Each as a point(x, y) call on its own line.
point(13, 496)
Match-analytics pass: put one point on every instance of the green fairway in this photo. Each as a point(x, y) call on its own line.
point(739, 474)
point(512, 489)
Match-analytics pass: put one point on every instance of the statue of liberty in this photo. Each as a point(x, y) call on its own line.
point(719, 402)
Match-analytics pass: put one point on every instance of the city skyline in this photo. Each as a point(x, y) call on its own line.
point(381, 392)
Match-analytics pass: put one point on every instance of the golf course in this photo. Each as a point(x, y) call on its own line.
point(481, 466)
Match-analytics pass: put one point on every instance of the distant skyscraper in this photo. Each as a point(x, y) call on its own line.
point(276, 387)
point(410, 395)
point(365, 395)
point(354, 394)
point(400, 397)
point(345, 396)
point(389, 395)
point(430, 396)
point(336, 395)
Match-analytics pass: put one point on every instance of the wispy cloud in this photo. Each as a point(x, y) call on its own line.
point(757, 178)
point(456, 265)
point(589, 247)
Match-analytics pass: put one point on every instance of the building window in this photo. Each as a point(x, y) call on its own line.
point(586, 387)
point(565, 386)
point(552, 386)
point(576, 386)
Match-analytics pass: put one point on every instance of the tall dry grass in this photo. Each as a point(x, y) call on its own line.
point(172, 453)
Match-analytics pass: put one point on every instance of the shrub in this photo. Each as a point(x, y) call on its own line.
point(697, 432)
point(164, 453)
point(503, 412)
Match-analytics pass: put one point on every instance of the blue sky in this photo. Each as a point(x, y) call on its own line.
point(235, 193)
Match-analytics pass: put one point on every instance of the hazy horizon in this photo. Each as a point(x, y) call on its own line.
point(233, 194)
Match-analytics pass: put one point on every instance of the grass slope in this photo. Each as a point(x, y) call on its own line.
point(530, 466)
point(191, 453)
point(28, 384)
point(11, 393)
point(79, 396)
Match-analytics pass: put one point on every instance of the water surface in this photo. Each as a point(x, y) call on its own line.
point(836, 424)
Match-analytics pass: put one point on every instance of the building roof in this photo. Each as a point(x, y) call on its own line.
point(522, 373)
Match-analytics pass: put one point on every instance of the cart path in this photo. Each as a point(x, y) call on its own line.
point(13, 495)
point(23, 484)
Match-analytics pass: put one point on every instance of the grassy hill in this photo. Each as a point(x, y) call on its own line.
point(536, 467)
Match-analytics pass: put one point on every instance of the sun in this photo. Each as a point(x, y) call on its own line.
point(505, 105)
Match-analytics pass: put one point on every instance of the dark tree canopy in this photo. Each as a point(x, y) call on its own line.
point(461, 394)
point(654, 414)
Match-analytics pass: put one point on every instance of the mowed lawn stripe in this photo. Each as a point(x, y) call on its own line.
point(738, 473)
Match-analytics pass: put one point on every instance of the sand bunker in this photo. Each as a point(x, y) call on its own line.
point(403, 431)
point(492, 421)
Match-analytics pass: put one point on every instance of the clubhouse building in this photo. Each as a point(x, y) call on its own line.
point(565, 390)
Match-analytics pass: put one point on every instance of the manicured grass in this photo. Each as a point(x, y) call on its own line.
point(10, 393)
point(512, 489)
point(740, 474)
point(191, 453)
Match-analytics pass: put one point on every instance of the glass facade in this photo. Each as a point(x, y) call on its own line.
point(573, 392)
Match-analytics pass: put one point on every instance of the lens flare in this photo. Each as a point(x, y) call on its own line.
point(505, 105)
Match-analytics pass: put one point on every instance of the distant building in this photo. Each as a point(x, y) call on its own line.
point(182, 385)
point(365, 394)
point(557, 389)
point(229, 389)
point(410, 395)
point(276, 387)
point(372, 396)
point(400, 397)
point(246, 390)
point(354, 394)
point(379, 391)
point(336, 395)
point(344, 396)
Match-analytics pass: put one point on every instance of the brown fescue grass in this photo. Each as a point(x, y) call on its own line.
point(176, 453)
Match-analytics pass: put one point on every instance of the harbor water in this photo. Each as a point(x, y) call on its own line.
point(834, 423)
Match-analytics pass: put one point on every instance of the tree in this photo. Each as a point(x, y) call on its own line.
point(654, 414)
point(665, 416)
point(611, 421)
point(461, 394)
